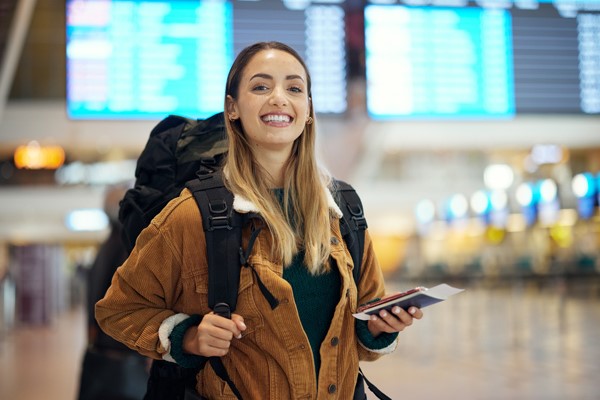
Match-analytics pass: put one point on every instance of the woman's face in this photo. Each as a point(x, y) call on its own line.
point(273, 103)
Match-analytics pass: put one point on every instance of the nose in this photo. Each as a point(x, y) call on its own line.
point(278, 97)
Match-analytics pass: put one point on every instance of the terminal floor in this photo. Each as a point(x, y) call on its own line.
point(511, 340)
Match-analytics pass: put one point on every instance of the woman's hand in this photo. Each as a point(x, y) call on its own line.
point(213, 336)
point(396, 321)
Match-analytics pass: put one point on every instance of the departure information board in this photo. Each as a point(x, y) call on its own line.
point(490, 59)
point(145, 59)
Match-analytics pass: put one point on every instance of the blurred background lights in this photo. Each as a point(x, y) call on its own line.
point(498, 200)
point(548, 207)
point(546, 154)
point(34, 156)
point(583, 185)
point(524, 195)
point(91, 219)
point(480, 202)
point(548, 190)
point(425, 211)
point(498, 176)
point(458, 206)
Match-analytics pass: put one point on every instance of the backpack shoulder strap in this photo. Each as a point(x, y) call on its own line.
point(352, 224)
point(223, 230)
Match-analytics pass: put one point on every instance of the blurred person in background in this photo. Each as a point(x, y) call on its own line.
point(110, 370)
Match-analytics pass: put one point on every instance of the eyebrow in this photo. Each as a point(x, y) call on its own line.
point(267, 76)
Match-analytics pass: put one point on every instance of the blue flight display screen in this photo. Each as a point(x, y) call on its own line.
point(145, 59)
point(453, 59)
point(438, 62)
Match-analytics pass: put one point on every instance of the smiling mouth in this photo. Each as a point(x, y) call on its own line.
point(277, 118)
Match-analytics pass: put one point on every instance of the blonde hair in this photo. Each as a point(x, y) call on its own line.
point(304, 220)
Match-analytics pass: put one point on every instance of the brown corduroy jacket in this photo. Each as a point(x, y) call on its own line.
point(164, 280)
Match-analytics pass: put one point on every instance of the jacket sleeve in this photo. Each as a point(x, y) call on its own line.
point(138, 306)
point(371, 286)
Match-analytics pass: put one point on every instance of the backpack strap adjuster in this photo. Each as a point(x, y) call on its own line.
point(357, 216)
point(360, 222)
point(219, 222)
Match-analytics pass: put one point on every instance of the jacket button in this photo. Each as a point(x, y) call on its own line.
point(334, 240)
point(332, 388)
point(334, 341)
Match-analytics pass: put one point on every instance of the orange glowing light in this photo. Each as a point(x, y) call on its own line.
point(34, 156)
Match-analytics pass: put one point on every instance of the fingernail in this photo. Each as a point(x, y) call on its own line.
point(412, 310)
point(243, 325)
point(373, 318)
point(239, 336)
point(383, 314)
point(396, 310)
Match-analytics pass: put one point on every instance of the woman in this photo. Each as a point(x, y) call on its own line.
point(309, 345)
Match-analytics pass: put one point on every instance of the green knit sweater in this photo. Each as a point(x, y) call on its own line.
point(316, 298)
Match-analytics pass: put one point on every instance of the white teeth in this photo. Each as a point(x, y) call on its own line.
point(276, 118)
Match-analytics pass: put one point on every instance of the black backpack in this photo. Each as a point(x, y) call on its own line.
point(176, 150)
point(183, 152)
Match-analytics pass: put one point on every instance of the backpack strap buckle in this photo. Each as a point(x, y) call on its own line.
point(360, 222)
point(357, 216)
point(218, 222)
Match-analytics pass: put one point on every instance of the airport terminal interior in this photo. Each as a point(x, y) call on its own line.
point(470, 130)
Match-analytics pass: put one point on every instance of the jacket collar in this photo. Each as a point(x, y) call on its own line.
point(243, 205)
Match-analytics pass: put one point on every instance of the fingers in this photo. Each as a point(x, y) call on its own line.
point(416, 312)
point(239, 322)
point(213, 346)
point(215, 333)
point(396, 320)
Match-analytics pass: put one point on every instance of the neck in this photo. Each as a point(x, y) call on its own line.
point(273, 163)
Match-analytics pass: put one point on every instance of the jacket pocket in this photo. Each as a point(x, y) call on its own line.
point(201, 281)
point(246, 305)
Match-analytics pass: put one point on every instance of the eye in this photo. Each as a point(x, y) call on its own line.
point(259, 88)
point(296, 89)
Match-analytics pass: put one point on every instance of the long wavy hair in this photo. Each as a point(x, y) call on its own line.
point(302, 222)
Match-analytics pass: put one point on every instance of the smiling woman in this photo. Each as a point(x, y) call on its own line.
point(287, 348)
point(274, 104)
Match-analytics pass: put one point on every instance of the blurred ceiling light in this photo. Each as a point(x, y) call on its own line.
point(90, 219)
point(583, 185)
point(498, 176)
point(480, 202)
point(524, 194)
point(100, 173)
point(458, 206)
point(34, 156)
point(548, 190)
point(546, 154)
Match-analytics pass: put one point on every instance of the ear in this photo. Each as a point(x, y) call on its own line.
point(232, 111)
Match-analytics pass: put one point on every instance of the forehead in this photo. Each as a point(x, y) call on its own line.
point(274, 62)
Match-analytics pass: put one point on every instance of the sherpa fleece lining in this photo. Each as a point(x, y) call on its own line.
point(243, 205)
point(164, 331)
